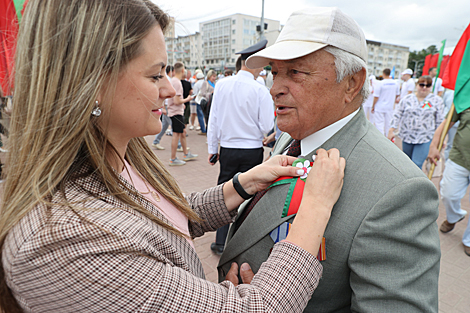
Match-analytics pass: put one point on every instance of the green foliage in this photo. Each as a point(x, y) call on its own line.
point(416, 59)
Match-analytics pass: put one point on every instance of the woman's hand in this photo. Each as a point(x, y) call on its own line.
point(325, 180)
point(262, 176)
point(322, 190)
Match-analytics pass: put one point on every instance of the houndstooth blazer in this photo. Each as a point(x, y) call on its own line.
point(114, 259)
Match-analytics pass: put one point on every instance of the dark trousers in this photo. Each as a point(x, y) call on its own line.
point(233, 161)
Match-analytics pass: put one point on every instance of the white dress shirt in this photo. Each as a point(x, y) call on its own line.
point(315, 140)
point(241, 114)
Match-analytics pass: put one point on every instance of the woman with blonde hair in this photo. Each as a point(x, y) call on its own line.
point(91, 220)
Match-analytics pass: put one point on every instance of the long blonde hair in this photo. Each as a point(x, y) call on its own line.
point(66, 50)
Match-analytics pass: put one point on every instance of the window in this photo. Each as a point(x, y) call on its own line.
point(234, 22)
point(233, 41)
point(233, 31)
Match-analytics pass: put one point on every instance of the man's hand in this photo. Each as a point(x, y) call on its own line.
point(391, 134)
point(269, 139)
point(214, 160)
point(433, 155)
point(245, 273)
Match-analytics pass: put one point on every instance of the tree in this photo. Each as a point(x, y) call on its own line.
point(416, 59)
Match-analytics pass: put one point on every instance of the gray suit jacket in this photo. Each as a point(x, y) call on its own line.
point(382, 243)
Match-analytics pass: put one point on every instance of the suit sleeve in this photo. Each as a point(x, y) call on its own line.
point(394, 259)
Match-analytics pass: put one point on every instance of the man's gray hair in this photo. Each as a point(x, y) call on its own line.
point(347, 64)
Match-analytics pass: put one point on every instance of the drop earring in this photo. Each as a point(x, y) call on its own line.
point(96, 111)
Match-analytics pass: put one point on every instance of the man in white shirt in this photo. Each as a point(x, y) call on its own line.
point(241, 115)
point(381, 242)
point(438, 89)
point(385, 96)
point(408, 85)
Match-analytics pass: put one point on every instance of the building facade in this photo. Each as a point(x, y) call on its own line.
point(384, 55)
point(223, 37)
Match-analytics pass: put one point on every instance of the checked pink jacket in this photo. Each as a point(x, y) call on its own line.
point(109, 258)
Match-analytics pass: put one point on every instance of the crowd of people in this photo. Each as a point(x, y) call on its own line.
point(92, 221)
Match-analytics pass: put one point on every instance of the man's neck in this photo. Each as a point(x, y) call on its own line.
point(387, 77)
point(179, 76)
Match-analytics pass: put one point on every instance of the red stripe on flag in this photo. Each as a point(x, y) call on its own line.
point(452, 69)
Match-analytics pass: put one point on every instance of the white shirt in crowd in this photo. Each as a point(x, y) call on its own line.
point(406, 87)
point(242, 112)
point(386, 91)
point(439, 87)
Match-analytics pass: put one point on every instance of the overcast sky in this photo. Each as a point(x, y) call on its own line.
point(411, 23)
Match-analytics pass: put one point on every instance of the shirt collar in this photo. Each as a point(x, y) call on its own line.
point(315, 140)
point(246, 73)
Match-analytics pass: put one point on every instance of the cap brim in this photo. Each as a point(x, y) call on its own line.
point(284, 50)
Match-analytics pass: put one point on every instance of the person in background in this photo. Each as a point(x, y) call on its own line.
point(197, 100)
point(438, 90)
point(175, 112)
point(385, 95)
point(456, 176)
point(207, 90)
point(367, 105)
point(417, 118)
point(228, 73)
point(187, 91)
point(262, 78)
point(241, 114)
point(448, 99)
point(408, 85)
point(91, 220)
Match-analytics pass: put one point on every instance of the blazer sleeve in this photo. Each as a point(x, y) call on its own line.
point(85, 268)
point(394, 259)
point(211, 208)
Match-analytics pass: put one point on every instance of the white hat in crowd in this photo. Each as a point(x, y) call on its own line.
point(309, 30)
point(407, 71)
point(262, 73)
point(199, 75)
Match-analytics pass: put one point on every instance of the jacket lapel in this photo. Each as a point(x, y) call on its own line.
point(262, 220)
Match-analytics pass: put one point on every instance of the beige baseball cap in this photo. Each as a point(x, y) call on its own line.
point(309, 30)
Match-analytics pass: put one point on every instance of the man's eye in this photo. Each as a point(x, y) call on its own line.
point(295, 72)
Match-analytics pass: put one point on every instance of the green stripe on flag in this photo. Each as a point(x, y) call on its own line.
point(462, 85)
point(19, 7)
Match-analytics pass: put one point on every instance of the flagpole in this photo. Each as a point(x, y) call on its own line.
point(443, 136)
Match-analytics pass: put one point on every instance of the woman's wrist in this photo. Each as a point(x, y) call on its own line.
point(240, 189)
point(247, 183)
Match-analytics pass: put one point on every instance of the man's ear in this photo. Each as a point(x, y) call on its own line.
point(354, 85)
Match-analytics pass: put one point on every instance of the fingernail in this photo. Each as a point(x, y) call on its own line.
point(300, 172)
point(245, 267)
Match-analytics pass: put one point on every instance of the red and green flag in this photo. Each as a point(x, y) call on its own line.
point(439, 61)
point(10, 16)
point(457, 74)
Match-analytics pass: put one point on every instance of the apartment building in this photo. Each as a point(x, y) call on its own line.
point(223, 37)
point(384, 55)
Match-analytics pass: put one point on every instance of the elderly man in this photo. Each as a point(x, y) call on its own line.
point(382, 244)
